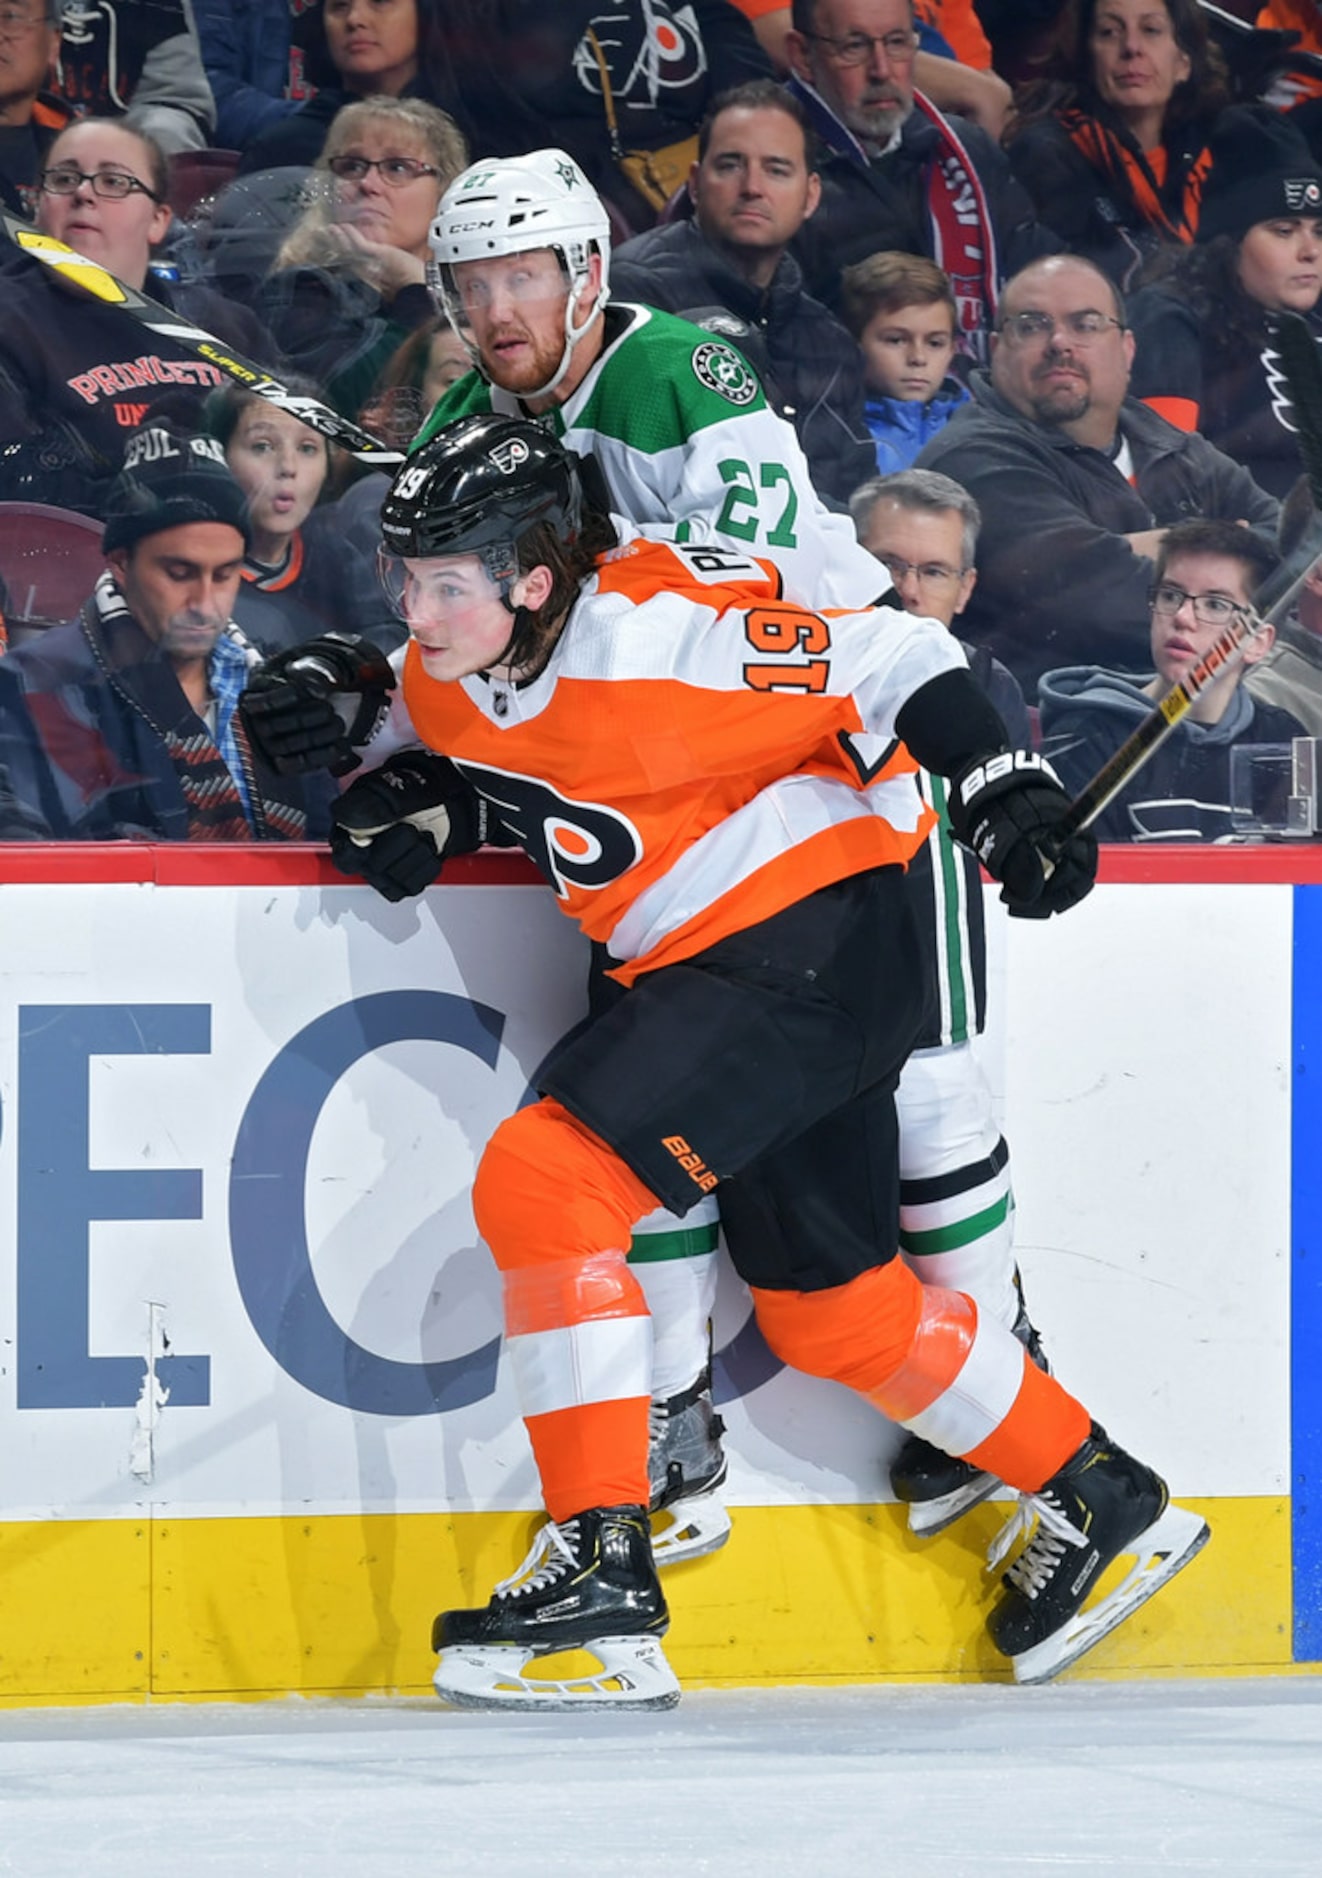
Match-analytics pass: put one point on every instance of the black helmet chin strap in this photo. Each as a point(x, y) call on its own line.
point(521, 648)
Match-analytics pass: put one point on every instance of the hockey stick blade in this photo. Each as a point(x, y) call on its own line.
point(97, 283)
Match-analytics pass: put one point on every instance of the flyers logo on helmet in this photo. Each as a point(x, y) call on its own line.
point(575, 844)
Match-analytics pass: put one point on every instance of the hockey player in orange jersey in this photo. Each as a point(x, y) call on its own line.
point(718, 787)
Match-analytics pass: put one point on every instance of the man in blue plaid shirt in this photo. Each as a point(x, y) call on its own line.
point(123, 723)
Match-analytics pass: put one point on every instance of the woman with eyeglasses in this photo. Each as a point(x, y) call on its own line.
point(1205, 326)
point(349, 283)
point(1112, 142)
point(76, 376)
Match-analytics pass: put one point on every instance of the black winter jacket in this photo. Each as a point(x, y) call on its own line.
point(884, 204)
point(1056, 584)
point(77, 375)
point(1233, 380)
point(810, 367)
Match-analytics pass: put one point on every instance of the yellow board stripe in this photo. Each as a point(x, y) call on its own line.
point(114, 1610)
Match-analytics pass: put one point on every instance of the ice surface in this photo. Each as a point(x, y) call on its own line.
point(907, 1782)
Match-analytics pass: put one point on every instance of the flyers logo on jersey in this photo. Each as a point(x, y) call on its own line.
point(577, 845)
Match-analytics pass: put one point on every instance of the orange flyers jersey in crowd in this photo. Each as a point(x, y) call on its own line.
point(1302, 17)
point(959, 26)
point(698, 753)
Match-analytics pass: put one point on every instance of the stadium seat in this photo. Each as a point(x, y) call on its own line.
point(50, 559)
point(196, 174)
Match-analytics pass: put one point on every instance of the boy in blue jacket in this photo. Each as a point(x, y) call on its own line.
point(901, 310)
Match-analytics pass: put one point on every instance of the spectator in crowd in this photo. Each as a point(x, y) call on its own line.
point(31, 115)
point(897, 174)
point(76, 374)
point(355, 49)
point(948, 67)
point(1025, 36)
point(246, 55)
point(350, 283)
point(309, 567)
point(622, 88)
point(123, 724)
point(1291, 674)
point(1115, 146)
point(1206, 573)
point(1076, 481)
point(121, 55)
point(901, 310)
point(728, 269)
point(956, 1204)
point(1206, 329)
point(416, 376)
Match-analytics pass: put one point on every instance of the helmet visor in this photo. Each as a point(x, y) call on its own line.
point(439, 589)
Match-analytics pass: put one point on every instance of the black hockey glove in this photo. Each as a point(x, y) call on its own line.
point(314, 706)
point(395, 826)
point(1003, 808)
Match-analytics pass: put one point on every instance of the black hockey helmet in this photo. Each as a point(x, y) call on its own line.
point(478, 487)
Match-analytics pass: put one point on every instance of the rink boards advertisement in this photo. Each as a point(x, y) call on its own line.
point(257, 1425)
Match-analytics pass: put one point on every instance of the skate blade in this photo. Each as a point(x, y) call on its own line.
point(1165, 1548)
point(633, 1673)
point(929, 1517)
point(688, 1529)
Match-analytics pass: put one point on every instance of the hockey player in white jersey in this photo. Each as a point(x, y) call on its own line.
point(956, 1196)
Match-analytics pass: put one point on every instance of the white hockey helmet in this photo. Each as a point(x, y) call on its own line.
point(512, 205)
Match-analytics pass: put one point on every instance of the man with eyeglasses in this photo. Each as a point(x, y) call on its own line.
point(956, 1198)
point(1076, 480)
point(1205, 575)
point(897, 173)
point(31, 115)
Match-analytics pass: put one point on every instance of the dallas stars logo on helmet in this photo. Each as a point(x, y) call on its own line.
point(722, 370)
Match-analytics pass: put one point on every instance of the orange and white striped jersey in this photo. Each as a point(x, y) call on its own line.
point(697, 753)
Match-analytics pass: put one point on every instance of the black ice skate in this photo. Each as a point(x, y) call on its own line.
point(939, 1488)
point(588, 1585)
point(1102, 1505)
point(686, 1466)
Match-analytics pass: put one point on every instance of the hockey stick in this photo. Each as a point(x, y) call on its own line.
point(97, 283)
point(1160, 721)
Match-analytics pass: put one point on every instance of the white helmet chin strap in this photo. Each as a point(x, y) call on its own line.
point(572, 336)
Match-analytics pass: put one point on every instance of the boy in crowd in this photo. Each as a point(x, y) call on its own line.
point(901, 310)
point(1206, 573)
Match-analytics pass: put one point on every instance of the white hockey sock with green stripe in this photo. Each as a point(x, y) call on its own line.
point(674, 1260)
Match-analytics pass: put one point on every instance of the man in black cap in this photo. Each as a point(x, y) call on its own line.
point(123, 723)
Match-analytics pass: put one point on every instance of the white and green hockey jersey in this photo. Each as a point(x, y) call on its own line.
point(685, 439)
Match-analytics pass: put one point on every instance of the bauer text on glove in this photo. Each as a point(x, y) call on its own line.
point(1007, 808)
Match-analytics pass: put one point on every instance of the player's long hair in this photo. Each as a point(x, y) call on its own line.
point(570, 563)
